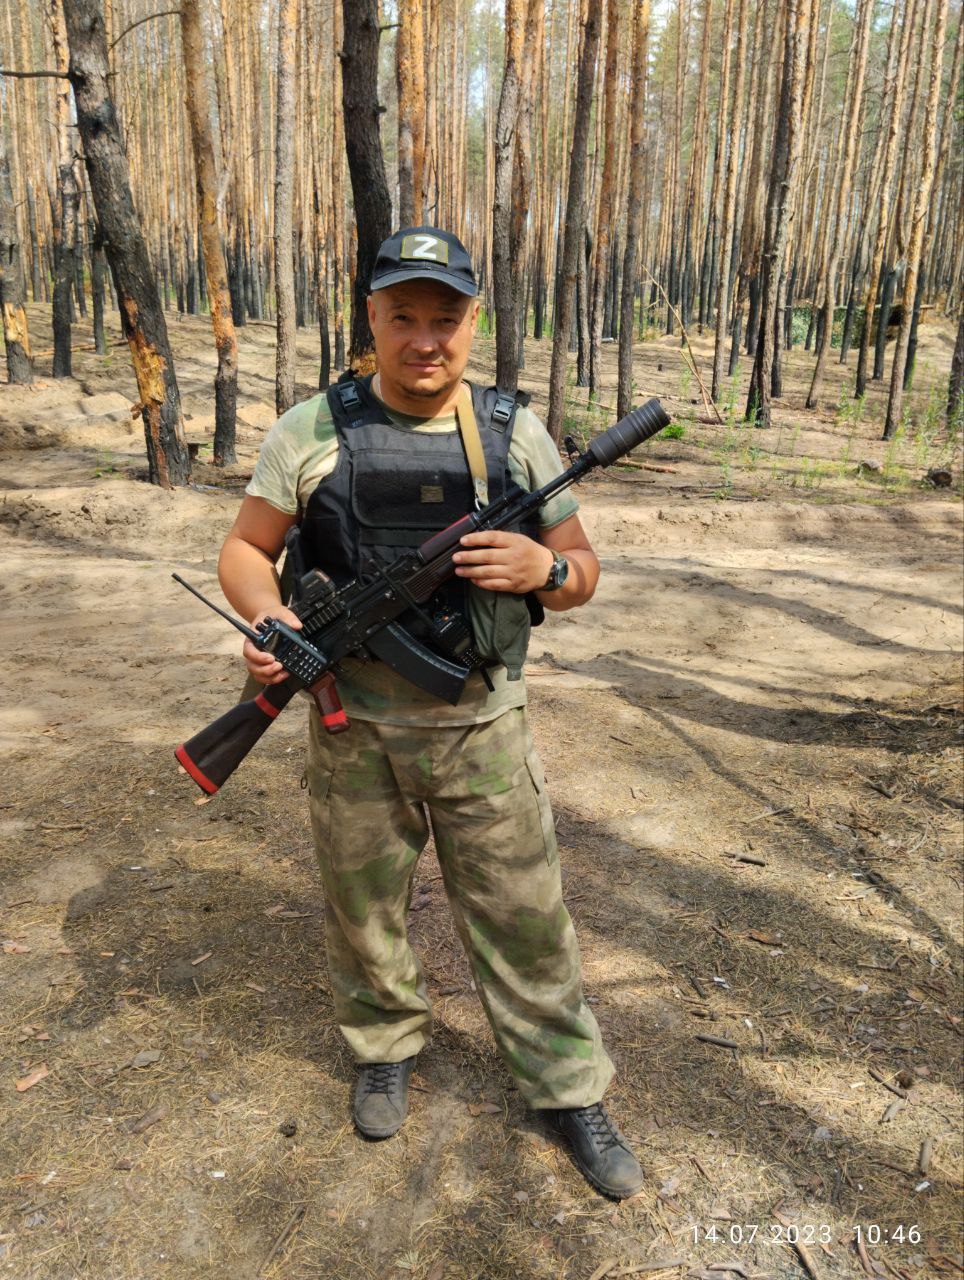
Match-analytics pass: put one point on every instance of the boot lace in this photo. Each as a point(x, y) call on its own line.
point(381, 1077)
point(602, 1128)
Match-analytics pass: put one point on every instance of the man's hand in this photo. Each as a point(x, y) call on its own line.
point(500, 561)
point(263, 666)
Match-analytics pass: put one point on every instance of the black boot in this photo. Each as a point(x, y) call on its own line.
point(600, 1150)
point(381, 1097)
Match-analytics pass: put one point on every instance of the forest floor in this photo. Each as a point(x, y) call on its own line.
point(753, 744)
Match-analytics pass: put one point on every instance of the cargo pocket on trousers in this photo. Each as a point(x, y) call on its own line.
point(538, 777)
point(318, 786)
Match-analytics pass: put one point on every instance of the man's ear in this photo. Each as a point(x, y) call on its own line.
point(476, 308)
point(371, 310)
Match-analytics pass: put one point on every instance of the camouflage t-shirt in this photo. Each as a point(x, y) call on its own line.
point(300, 450)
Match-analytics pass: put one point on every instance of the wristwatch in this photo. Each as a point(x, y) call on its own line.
point(557, 574)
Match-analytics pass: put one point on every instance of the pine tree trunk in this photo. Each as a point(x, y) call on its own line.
point(64, 249)
point(783, 170)
point(844, 178)
point(731, 119)
point(286, 354)
point(574, 229)
point(404, 74)
point(887, 292)
point(918, 225)
point(373, 206)
point(955, 388)
point(522, 176)
point(338, 193)
point(634, 213)
point(199, 115)
point(98, 274)
point(848, 324)
point(16, 335)
point(884, 213)
point(604, 213)
point(582, 308)
point(506, 128)
point(141, 316)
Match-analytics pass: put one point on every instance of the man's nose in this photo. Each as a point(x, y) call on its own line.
point(424, 338)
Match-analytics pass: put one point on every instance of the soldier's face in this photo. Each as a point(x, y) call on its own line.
point(423, 334)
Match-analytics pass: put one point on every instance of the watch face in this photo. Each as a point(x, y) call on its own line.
point(560, 571)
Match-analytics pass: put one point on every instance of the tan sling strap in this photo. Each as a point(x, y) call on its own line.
point(472, 444)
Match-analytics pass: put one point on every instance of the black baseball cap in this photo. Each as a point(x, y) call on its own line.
point(424, 253)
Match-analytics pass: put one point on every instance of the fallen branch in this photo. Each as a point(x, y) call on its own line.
point(720, 1041)
point(708, 404)
point(771, 813)
point(285, 1235)
point(647, 466)
point(894, 1088)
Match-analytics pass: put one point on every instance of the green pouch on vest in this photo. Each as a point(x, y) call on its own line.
point(501, 623)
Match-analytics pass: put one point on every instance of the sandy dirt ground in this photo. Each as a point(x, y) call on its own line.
point(753, 743)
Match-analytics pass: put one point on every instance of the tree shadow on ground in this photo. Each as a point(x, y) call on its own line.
point(689, 579)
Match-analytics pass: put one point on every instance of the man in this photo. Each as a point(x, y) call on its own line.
point(372, 467)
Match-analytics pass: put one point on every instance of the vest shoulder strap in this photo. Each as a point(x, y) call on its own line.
point(352, 403)
point(496, 409)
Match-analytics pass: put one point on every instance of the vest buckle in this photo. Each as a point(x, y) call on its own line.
point(502, 409)
point(349, 397)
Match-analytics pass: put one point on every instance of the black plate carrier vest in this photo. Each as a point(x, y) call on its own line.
point(393, 487)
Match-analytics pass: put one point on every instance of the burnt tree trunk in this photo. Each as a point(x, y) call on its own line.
point(68, 198)
point(142, 319)
point(955, 390)
point(573, 243)
point(363, 144)
point(15, 332)
point(634, 214)
point(780, 196)
point(506, 125)
point(284, 175)
point(98, 290)
point(215, 269)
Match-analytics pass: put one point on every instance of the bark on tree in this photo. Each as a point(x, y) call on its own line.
point(337, 192)
point(284, 275)
point(410, 82)
point(522, 177)
point(574, 229)
point(68, 199)
point(64, 199)
point(781, 188)
point(142, 319)
point(918, 224)
point(729, 119)
point(844, 178)
point(373, 206)
point(634, 215)
point(955, 388)
point(16, 335)
point(506, 127)
point(219, 297)
point(98, 273)
point(604, 214)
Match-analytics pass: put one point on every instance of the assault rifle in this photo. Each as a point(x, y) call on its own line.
point(365, 616)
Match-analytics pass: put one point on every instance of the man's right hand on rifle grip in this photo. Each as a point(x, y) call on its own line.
point(263, 666)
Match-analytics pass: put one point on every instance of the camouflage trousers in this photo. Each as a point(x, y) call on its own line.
point(372, 792)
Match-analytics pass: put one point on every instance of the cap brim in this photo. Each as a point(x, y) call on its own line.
point(423, 273)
